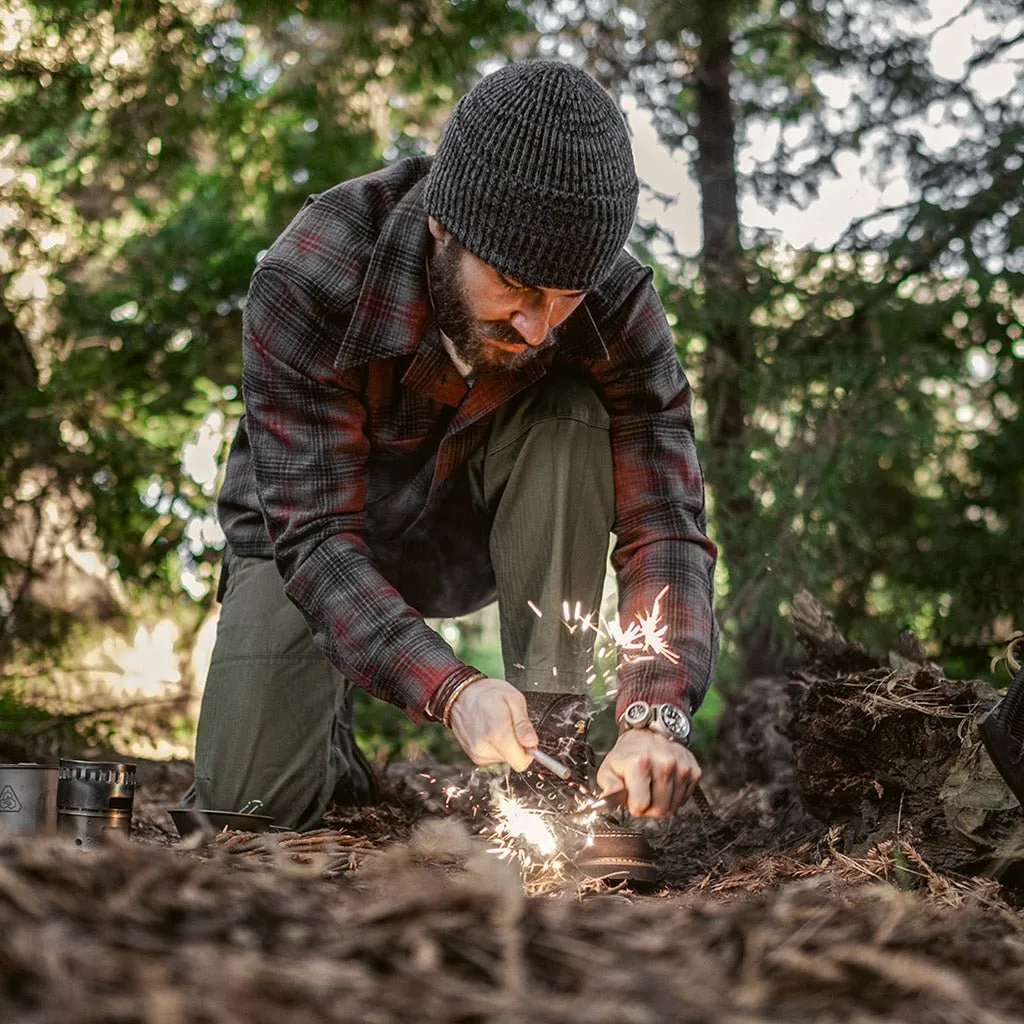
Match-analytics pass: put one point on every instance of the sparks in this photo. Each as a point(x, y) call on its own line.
point(643, 638)
point(516, 822)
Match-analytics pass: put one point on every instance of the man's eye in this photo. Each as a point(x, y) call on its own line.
point(510, 287)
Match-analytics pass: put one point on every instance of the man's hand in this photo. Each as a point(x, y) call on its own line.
point(659, 774)
point(490, 721)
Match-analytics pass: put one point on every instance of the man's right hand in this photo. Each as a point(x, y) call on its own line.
point(490, 721)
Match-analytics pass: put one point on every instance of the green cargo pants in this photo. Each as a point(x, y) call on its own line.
point(275, 721)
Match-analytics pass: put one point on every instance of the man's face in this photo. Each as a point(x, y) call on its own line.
point(492, 320)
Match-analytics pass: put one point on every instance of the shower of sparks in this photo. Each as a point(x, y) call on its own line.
point(527, 836)
point(516, 822)
point(524, 834)
point(643, 639)
point(577, 620)
point(645, 634)
point(515, 831)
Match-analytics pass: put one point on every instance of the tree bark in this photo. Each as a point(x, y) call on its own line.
point(730, 351)
point(16, 360)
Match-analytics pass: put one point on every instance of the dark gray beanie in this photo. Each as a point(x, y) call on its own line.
point(534, 174)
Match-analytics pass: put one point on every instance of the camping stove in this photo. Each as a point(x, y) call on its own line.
point(94, 797)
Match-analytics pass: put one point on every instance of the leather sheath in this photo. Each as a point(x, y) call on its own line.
point(600, 849)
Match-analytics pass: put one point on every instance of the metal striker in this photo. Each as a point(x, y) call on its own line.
point(553, 766)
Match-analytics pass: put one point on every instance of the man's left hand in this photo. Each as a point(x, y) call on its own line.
point(658, 774)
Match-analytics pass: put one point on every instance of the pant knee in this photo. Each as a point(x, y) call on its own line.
point(558, 397)
point(552, 450)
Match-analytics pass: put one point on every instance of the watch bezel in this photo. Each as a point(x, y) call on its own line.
point(673, 721)
point(636, 716)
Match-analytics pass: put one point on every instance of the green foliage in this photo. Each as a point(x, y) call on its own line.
point(166, 147)
point(19, 718)
point(385, 734)
point(24, 723)
point(880, 381)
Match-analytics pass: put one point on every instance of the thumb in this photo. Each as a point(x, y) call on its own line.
point(524, 730)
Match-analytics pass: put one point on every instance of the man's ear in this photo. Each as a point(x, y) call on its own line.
point(436, 230)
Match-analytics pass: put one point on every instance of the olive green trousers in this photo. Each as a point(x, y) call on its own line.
point(275, 721)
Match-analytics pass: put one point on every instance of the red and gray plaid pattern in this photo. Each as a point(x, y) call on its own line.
point(357, 424)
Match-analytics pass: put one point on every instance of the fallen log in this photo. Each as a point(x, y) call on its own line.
point(890, 748)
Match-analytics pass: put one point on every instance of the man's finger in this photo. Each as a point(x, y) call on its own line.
point(521, 724)
point(613, 799)
point(483, 754)
point(508, 747)
point(638, 782)
point(517, 757)
point(693, 781)
point(662, 788)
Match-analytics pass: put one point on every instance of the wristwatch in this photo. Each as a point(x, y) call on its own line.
point(667, 719)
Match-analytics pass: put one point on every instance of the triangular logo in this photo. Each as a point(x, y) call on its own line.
point(9, 800)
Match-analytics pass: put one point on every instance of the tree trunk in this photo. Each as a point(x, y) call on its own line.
point(19, 367)
point(730, 351)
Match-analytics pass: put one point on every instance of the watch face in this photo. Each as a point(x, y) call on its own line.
point(636, 714)
point(675, 721)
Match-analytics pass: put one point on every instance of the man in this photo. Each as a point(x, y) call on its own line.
point(457, 385)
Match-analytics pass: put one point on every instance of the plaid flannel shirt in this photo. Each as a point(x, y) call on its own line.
point(357, 423)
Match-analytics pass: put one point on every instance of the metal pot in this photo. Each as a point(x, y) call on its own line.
point(28, 799)
point(94, 797)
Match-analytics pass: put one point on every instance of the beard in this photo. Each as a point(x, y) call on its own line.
point(470, 335)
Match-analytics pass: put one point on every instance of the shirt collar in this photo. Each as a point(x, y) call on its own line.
point(433, 373)
point(392, 310)
point(582, 337)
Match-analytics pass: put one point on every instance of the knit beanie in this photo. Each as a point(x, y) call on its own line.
point(534, 175)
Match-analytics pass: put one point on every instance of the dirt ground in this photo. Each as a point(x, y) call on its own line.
point(399, 913)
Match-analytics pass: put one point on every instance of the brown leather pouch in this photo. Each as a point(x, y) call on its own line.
point(612, 853)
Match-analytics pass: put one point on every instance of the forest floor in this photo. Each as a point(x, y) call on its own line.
point(399, 913)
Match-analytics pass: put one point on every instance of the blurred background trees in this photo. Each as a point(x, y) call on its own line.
point(859, 390)
point(862, 393)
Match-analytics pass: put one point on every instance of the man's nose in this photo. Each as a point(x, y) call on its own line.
point(534, 323)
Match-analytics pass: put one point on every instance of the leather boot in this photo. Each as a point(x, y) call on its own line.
point(1002, 731)
point(359, 787)
point(598, 847)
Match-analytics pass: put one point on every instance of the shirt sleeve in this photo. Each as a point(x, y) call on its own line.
point(305, 422)
point(660, 519)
